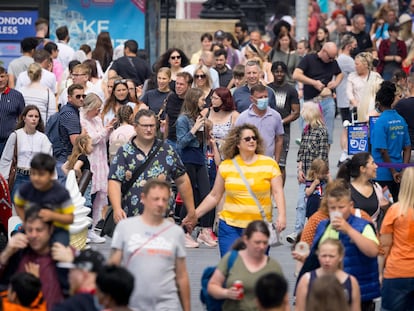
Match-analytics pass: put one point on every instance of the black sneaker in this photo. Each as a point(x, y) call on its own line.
point(99, 225)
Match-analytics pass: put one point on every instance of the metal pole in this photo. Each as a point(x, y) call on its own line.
point(302, 19)
point(167, 25)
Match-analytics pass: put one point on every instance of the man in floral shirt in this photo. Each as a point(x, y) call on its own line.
point(165, 165)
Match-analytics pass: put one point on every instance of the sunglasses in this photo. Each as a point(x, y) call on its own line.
point(123, 81)
point(175, 57)
point(79, 96)
point(200, 76)
point(249, 138)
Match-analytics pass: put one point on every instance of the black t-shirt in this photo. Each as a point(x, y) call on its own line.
point(225, 77)
point(154, 99)
point(172, 110)
point(314, 68)
point(405, 107)
point(369, 205)
point(133, 68)
point(285, 96)
point(364, 43)
point(86, 164)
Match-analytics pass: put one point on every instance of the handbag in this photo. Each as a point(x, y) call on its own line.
point(84, 180)
point(13, 168)
point(109, 222)
point(274, 238)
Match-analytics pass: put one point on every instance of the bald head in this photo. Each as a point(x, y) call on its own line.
point(328, 52)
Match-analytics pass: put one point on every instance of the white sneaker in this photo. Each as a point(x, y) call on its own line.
point(94, 238)
point(291, 238)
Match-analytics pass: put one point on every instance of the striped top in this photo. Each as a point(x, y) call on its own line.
point(11, 106)
point(239, 207)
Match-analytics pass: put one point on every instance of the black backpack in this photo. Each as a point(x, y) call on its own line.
point(53, 133)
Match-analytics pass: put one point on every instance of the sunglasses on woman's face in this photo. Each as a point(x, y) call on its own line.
point(200, 76)
point(175, 57)
point(249, 138)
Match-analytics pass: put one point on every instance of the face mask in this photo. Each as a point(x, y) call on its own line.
point(217, 109)
point(262, 103)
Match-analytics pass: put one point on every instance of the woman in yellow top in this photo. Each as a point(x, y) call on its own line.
point(245, 146)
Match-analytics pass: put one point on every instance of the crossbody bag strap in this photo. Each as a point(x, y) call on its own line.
point(47, 106)
point(140, 169)
point(250, 190)
point(147, 241)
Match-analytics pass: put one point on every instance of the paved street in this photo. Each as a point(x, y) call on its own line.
point(198, 259)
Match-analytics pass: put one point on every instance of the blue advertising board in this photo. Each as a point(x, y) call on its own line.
point(357, 138)
point(85, 19)
point(16, 25)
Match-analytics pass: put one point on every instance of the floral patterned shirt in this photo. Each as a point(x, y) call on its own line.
point(166, 165)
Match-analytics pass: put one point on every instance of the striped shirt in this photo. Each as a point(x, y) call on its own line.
point(11, 106)
point(69, 125)
point(239, 207)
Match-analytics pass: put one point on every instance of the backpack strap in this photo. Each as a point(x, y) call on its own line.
point(230, 263)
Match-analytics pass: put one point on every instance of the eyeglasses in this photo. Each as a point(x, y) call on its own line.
point(200, 76)
point(79, 96)
point(329, 57)
point(150, 126)
point(176, 57)
point(249, 138)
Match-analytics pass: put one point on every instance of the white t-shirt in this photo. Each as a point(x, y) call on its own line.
point(153, 266)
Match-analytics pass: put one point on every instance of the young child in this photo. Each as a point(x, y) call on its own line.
point(43, 190)
point(316, 180)
point(24, 293)
point(79, 162)
point(358, 237)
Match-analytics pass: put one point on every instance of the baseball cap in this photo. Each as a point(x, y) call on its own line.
point(87, 260)
point(219, 34)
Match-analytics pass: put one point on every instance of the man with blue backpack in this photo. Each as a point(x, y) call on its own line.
point(64, 127)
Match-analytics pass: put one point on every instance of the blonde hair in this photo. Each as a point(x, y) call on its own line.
point(312, 114)
point(318, 166)
point(406, 194)
point(165, 70)
point(229, 148)
point(34, 72)
point(205, 71)
point(91, 102)
point(334, 242)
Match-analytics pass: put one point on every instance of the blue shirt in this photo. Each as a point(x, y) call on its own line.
point(391, 133)
point(269, 125)
point(242, 100)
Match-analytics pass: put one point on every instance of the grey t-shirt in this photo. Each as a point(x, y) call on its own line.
point(153, 266)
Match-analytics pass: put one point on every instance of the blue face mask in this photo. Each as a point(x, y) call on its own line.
point(262, 103)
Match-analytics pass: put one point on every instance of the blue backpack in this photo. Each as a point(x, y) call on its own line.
point(213, 304)
point(53, 133)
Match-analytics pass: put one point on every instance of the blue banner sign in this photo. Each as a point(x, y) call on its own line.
point(85, 19)
point(357, 138)
point(16, 25)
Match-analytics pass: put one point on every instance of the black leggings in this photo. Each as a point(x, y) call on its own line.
point(201, 187)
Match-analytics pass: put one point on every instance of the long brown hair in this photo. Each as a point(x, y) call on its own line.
point(20, 124)
point(79, 148)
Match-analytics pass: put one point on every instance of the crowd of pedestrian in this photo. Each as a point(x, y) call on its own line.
point(202, 140)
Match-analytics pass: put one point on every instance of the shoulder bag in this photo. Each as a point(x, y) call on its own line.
point(13, 167)
point(274, 238)
point(109, 223)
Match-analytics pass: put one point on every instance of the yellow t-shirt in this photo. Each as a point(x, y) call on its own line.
point(239, 207)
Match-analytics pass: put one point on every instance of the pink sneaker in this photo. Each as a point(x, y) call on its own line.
point(205, 238)
point(189, 242)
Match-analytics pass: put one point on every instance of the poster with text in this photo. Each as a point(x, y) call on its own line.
point(85, 19)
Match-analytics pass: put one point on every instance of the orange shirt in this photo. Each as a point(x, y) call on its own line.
point(400, 260)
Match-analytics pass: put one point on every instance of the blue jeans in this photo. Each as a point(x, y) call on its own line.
point(397, 294)
point(328, 111)
point(60, 173)
point(300, 209)
point(227, 235)
point(21, 179)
